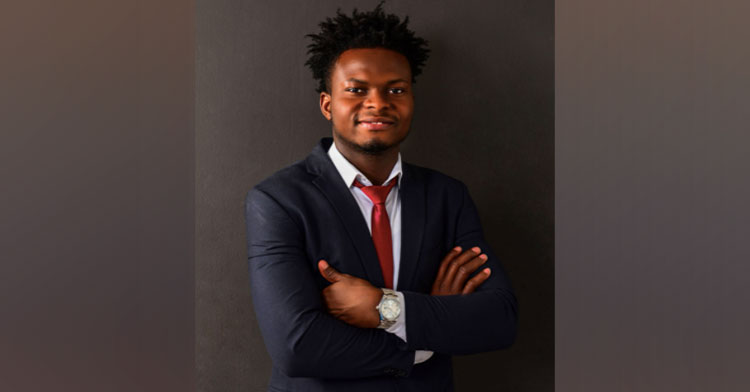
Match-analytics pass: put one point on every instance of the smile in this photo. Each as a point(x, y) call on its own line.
point(375, 125)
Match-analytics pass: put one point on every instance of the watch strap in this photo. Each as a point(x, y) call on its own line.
point(388, 294)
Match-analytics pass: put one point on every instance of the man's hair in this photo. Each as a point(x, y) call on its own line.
point(373, 29)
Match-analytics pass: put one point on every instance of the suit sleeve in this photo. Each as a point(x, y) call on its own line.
point(301, 337)
point(484, 320)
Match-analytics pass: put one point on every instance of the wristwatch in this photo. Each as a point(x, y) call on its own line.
point(389, 308)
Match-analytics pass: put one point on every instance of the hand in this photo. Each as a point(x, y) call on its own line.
point(455, 270)
point(349, 299)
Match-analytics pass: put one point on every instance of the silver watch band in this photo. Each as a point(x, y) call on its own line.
point(391, 295)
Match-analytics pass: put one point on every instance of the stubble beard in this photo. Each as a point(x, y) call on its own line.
point(373, 147)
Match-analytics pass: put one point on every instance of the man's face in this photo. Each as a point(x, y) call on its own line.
point(370, 103)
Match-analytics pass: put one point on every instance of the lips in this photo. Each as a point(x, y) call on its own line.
point(376, 123)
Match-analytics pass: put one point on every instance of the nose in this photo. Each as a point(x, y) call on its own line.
point(376, 99)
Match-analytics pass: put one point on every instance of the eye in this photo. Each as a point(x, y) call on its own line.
point(397, 90)
point(355, 90)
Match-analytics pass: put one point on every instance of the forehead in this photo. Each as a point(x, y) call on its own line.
point(372, 65)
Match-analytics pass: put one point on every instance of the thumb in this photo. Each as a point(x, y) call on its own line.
point(328, 272)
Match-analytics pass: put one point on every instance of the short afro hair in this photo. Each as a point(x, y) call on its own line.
point(373, 29)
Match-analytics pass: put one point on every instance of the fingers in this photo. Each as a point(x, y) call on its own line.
point(443, 266)
point(465, 270)
point(476, 281)
point(453, 283)
point(328, 272)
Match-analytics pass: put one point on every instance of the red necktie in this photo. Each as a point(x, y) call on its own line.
point(381, 227)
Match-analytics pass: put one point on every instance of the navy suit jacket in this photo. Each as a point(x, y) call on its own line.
point(305, 213)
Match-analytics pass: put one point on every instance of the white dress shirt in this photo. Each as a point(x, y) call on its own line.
point(349, 173)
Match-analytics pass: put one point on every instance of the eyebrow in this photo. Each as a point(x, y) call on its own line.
point(389, 82)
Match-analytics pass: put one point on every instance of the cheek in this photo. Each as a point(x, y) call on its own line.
point(407, 108)
point(406, 115)
point(339, 118)
point(341, 110)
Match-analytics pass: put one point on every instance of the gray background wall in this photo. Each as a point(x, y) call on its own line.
point(96, 204)
point(652, 186)
point(484, 114)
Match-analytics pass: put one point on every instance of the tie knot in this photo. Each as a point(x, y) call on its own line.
point(377, 193)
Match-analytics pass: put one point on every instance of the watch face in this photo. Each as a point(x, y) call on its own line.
point(390, 309)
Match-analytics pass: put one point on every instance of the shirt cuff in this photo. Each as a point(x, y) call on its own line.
point(421, 356)
point(399, 329)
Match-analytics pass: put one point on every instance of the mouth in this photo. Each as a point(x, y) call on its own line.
point(375, 123)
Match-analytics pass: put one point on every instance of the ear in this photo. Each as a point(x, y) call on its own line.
point(325, 105)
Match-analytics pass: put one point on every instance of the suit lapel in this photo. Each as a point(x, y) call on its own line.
point(412, 224)
point(329, 182)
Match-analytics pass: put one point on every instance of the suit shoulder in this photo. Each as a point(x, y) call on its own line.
point(292, 178)
point(434, 178)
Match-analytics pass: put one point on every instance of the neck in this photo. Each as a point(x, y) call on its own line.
point(376, 167)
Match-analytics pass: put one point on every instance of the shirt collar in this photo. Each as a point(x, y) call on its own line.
point(349, 172)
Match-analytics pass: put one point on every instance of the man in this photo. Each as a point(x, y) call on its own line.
point(368, 273)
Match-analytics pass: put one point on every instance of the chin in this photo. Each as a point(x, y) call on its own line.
point(374, 147)
point(371, 145)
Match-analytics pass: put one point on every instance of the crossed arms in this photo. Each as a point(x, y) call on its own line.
point(304, 332)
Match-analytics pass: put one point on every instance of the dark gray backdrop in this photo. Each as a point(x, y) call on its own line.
point(652, 189)
point(96, 201)
point(484, 114)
